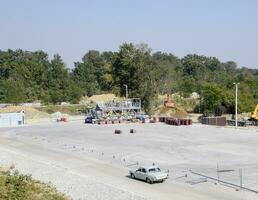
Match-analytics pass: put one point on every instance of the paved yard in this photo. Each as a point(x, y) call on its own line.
point(69, 146)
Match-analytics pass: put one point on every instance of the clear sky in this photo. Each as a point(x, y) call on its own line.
point(227, 29)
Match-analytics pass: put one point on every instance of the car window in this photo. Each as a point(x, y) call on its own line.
point(154, 169)
point(143, 170)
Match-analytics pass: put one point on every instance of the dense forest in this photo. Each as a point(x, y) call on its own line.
point(29, 76)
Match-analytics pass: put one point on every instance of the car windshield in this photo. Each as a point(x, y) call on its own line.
point(154, 169)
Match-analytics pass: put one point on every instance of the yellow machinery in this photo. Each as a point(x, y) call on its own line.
point(252, 121)
point(254, 114)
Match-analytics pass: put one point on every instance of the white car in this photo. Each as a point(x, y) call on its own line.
point(149, 174)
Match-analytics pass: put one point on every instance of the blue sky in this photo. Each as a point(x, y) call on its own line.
point(227, 29)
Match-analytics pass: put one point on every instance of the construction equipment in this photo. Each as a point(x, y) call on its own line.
point(169, 103)
point(252, 121)
point(254, 114)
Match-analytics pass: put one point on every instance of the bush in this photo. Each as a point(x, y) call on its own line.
point(15, 186)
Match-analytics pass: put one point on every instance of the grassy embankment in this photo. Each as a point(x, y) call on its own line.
point(69, 109)
point(15, 186)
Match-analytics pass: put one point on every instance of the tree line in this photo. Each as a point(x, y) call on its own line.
point(29, 76)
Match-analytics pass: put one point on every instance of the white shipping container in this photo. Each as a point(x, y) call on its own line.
point(11, 119)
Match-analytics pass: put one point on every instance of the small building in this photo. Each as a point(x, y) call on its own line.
point(11, 119)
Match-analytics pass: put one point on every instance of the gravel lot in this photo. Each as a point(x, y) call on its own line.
point(90, 162)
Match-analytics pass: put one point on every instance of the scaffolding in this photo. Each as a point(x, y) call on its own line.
point(117, 108)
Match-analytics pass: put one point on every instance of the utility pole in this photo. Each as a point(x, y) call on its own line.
point(236, 123)
point(126, 91)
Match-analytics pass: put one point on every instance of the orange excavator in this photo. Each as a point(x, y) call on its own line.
point(169, 103)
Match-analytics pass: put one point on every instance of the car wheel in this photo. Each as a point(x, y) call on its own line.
point(148, 181)
point(132, 176)
point(163, 180)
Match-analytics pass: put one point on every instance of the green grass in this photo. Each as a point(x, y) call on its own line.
point(15, 186)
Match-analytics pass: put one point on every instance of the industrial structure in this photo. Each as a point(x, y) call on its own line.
point(116, 109)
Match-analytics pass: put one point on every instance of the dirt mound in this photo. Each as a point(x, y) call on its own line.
point(103, 97)
point(30, 112)
point(188, 104)
point(97, 98)
point(162, 111)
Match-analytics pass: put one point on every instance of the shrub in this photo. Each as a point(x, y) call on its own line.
point(15, 186)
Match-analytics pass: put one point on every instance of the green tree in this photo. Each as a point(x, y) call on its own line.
point(168, 72)
point(74, 91)
point(11, 91)
point(187, 85)
point(211, 98)
point(199, 67)
point(134, 67)
point(84, 76)
point(58, 80)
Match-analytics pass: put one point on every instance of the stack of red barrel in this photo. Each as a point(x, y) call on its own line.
point(175, 122)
